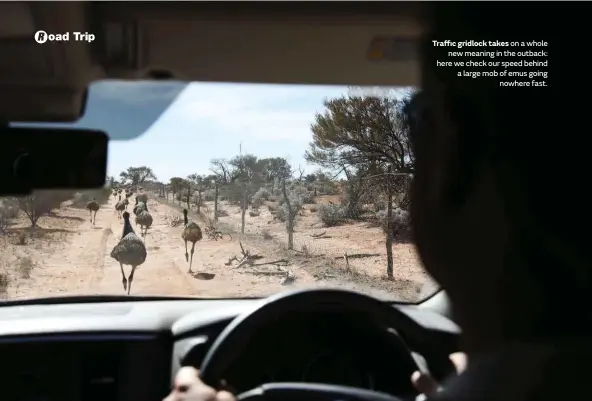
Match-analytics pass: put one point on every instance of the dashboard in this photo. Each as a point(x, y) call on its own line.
point(129, 349)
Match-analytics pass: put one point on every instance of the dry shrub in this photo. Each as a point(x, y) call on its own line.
point(8, 210)
point(25, 267)
point(331, 215)
point(81, 199)
point(40, 203)
point(4, 283)
point(22, 238)
point(400, 224)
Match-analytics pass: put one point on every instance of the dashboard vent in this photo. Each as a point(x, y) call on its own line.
point(99, 373)
point(192, 350)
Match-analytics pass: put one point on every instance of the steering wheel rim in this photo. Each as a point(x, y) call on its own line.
point(312, 392)
point(236, 336)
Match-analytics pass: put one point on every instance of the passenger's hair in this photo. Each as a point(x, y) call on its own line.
point(541, 162)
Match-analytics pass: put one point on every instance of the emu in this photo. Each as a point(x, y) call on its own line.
point(191, 233)
point(144, 219)
point(93, 206)
point(120, 207)
point(129, 251)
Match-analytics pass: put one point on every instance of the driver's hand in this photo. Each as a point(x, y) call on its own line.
point(188, 387)
point(426, 384)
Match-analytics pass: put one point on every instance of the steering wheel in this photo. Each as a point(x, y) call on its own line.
point(236, 336)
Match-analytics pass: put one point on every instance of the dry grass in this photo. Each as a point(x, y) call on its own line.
point(266, 235)
point(328, 250)
point(24, 247)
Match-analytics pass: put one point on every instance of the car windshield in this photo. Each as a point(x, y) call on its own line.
point(290, 186)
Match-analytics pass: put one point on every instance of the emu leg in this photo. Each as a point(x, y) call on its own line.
point(191, 260)
point(90, 212)
point(186, 253)
point(123, 279)
point(130, 279)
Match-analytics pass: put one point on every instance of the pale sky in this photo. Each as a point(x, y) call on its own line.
point(178, 128)
point(210, 120)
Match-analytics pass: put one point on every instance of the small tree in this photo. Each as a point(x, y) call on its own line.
point(137, 175)
point(223, 174)
point(389, 233)
point(188, 192)
point(246, 170)
point(40, 203)
point(292, 205)
point(8, 211)
point(177, 184)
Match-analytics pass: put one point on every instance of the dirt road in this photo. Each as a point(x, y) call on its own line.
point(79, 263)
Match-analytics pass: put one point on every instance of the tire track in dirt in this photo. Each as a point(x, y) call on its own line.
point(99, 264)
point(73, 269)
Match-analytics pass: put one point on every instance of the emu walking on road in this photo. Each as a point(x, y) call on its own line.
point(129, 251)
point(93, 206)
point(138, 207)
point(142, 198)
point(144, 219)
point(191, 233)
point(120, 207)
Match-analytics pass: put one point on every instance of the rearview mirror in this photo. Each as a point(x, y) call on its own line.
point(51, 158)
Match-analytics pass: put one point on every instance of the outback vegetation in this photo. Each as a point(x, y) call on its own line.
point(345, 220)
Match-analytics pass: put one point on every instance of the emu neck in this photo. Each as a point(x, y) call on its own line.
point(185, 218)
point(127, 228)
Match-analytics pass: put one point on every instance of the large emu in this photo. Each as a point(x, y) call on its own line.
point(93, 206)
point(129, 251)
point(191, 233)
